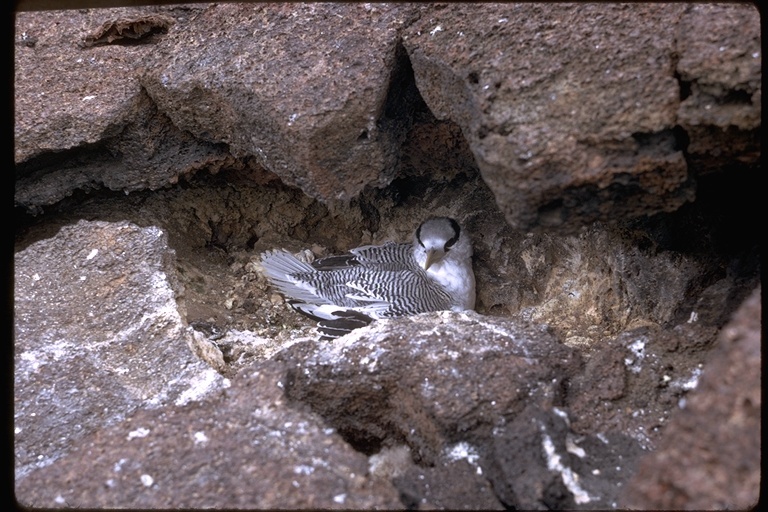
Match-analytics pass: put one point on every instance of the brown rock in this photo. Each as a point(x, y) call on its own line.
point(444, 384)
point(710, 455)
point(468, 411)
point(82, 120)
point(535, 462)
point(427, 379)
point(301, 87)
point(65, 96)
point(720, 65)
point(455, 482)
point(721, 85)
point(631, 383)
point(570, 109)
point(574, 112)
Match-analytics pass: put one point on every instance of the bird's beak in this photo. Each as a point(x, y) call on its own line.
point(431, 258)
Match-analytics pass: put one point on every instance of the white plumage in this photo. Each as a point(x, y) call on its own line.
point(347, 291)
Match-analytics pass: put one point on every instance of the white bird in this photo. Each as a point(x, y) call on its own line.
point(433, 273)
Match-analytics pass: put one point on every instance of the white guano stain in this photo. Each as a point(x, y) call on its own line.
point(139, 432)
point(570, 478)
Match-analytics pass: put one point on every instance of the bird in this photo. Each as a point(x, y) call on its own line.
point(348, 291)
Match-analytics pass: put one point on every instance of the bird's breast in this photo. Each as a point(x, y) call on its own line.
point(458, 280)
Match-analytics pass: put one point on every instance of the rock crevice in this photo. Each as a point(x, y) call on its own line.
point(604, 159)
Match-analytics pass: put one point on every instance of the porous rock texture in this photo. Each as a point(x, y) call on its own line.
point(274, 80)
point(729, 394)
point(98, 334)
point(573, 112)
point(99, 129)
point(262, 454)
point(563, 127)
point(603, 157)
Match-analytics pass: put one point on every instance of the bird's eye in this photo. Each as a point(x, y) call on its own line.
point(450, 243)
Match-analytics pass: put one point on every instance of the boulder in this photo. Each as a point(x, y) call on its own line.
point(98, 334)
point(303, 88)
point(710, 455)
point(603, 159)
point(573, 111)
point(82, 119)
point(242, 448)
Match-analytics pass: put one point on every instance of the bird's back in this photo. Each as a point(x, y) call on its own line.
point(389, 256)
point(384, 280)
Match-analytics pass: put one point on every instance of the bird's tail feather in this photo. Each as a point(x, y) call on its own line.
point(279, 263)
point(279, 266)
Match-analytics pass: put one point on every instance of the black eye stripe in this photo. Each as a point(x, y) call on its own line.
point(457, 230)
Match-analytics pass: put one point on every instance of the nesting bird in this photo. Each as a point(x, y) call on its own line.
point(344, 292)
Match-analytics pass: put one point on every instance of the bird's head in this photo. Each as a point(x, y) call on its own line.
point(437, 238)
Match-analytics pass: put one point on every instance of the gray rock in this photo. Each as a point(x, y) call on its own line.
point(243, 448)
point(98, 333)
